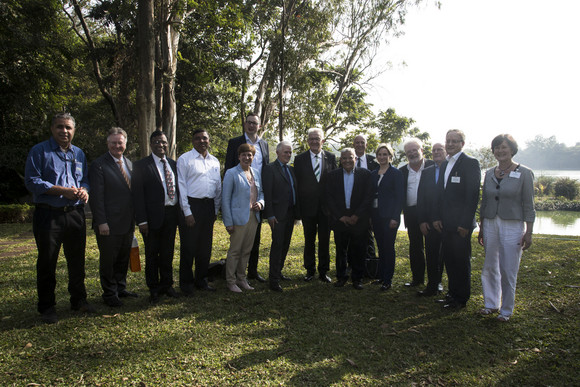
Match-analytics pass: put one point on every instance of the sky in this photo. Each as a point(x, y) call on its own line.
point(486, 67)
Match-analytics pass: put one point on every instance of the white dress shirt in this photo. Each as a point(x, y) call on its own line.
point(258, 157)
point(159, 165)
point(450, 163)
point(413, 184)
point(199, 178)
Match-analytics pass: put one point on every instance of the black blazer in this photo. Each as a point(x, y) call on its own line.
point(389, 193)
point(405, 170)
point(110, 199)
point(426, 194)
point(456, 204)
point(372, 163)
point(276, 186)
point(149, 191)
point(360, 201)
point(310, 191)
point(232, 152)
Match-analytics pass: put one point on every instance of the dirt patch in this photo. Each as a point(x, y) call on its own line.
point(14, 247)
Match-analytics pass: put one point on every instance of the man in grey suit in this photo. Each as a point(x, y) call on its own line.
point(279, 182)
point(311, 168)
point(112, 207)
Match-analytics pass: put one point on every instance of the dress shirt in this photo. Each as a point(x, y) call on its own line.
point(257, 161)
point(48, 165)
point(289, 176)
point(161, 170)
point(313, 160)
point(348, 186)
point(199, 178)
point(437, 170)
point(363, 162)
point(413, 184)
point(122, 159)
point(450, 163)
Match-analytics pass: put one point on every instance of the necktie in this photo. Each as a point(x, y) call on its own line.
point(291, 193)
point(120, 162)
point(317, 168)
point(168, 180)
point(358, 163)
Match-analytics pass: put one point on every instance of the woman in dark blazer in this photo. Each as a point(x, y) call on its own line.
point(386, 212)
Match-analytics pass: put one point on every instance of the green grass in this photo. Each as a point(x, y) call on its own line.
point(313, 334)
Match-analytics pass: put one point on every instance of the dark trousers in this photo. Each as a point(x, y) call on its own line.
point(433, 258)
point(196, 244)
point(53, 228)
point(255, 253)
point(281, 237)
point(351, 246)
point(456, 253)
point(159, 250)
point(313, 225)
point(114, 252)
point(416, 245)
point(385, 237)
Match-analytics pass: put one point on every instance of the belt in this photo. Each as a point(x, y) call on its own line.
point(60, 209)
point(200, 199)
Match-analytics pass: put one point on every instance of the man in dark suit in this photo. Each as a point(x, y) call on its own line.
point(456, 203)
point(311, 168)
point(261, 158)
point(281, 210)
point(349, 193)
point(411, 176)
point(155, 196)
point(425, 195)
point(113, 219)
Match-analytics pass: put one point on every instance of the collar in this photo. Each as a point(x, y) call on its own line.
point(116, 159)
point(157, 159)
point(455, 156)
point(312, 154)
point(249, 141)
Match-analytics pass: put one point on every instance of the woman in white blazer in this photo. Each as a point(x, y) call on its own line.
point(242, 201)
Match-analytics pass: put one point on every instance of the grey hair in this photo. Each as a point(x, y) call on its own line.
point(344, 150)
point(413, 140)
point(316, 130)
point(64, 116)
point(116, 130)
point(283, 143)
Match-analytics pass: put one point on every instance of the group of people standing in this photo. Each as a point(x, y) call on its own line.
point(360, 199)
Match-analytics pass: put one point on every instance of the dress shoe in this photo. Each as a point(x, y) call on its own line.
point(385, 287)
point(207, 288)
point(325, 278)
point(244, 285)
point(285, 278)
point(377, 282)
point(234, 288)
point(308, 277)
point(126, 293)
point(357, 285)
point(154, 298)
point(113, 302)
point(257, 277)
point(453, 305)
point(340, 283)
point(427, 292)
point(412, 284)
point(84, 307)
point(171, 293)
point(445, 300)
point(49, 316)
point(276, 287)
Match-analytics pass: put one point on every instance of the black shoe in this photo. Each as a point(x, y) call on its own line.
point(276, 287)
point(49, 316)
point(207, 288)
point(340, 283)
point(412, 284)
point(171, 293)
point(114, 302)
point(154, 298)
point(385, 287)
point(285, 278)
point(126, 293)
point(325, 278)
point(257, 277)
point(377, 282)
point(84, 307)
point(308, 277)
point(445, 300)
point(357, 285)
point(453, 305)
point(427, 292)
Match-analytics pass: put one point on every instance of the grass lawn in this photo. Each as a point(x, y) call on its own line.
point(312, 334)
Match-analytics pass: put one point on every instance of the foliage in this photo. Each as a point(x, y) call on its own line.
point(15, 213)
point(556, 204)
point(547, 153)
point(313, 334)
point(485, 157)
point(567, 188)
point(543, 185)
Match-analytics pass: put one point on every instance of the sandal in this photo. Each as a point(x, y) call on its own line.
point(487, 311)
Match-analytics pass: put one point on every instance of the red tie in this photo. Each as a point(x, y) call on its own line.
point(120, 162)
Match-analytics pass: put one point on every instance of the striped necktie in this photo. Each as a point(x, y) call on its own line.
point(317, 168)
point(168, 180)
point(120, 162)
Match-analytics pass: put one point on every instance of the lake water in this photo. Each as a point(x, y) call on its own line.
point(557, 173)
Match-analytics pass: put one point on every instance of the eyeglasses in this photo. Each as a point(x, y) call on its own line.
point(252, 123)
point(159, 142)
point(453, 141)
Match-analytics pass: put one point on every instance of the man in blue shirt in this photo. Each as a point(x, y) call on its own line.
point(56, 175)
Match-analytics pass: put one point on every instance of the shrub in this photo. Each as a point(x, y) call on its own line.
point(543, 185)
point(15, 213)
point(567, 188)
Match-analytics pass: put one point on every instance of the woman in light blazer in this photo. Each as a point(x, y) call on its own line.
point(507, 221)
point(242, 200)
point(386, 212)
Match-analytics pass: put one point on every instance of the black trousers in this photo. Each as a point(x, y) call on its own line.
point(281, 237)
point(316, 225)
point(159, 250)
point(114, 253)
point(52, 229)
point(351, 247)
point(416, 245)
point(196, 244)
point(433, 258)
point(255, 253)
point(456, 253)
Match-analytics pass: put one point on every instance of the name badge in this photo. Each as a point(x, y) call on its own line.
point(455, 179)
point(515, 174)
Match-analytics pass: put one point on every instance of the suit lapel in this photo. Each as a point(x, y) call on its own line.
point(153, 168)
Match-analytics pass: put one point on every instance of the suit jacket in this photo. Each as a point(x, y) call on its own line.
point(405, 170)
point(236, 196)
point(232, 152)
point(111, 200)
point(372, 163)
point(360, 201)
point(276, 186)
point(311, 191)
point(389, 193)
point(456, 204)
point(149, 191)
point(426, 194)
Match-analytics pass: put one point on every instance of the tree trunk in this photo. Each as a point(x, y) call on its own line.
point(146, 82)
